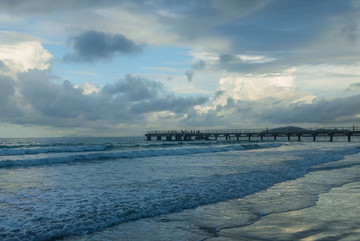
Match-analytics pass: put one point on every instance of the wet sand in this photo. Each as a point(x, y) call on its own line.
point(322, 205)
point(334, 217)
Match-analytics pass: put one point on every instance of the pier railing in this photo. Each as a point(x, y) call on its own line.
point(256, 131)
point(228, 134)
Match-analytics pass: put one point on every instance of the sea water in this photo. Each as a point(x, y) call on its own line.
point(132, 189)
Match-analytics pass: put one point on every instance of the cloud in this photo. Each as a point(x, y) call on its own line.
point(273, 29)
point(328, 79)
point(343, 110)
point(270, 112)
point(264, 61)
point(255, 87)
point(272, 100)
point(50, 100)
point(8, 106)
point(34, 99)
point(135, 88)
point(144, 96)
point(3, 67)
point(245, 101)
point(88, 88)
point(48, 7)
point(233, 63)
point(177, 105)
point(353, 87)
point(92, 46)
point(189, 75)
point(351, 32)
point(24, 56)
point(237, 8)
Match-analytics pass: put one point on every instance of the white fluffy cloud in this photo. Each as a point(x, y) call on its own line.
point(277, 86)
point(20, 57)
point(88, 88)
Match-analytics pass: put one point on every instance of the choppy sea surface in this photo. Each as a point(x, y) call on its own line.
point(132, 189)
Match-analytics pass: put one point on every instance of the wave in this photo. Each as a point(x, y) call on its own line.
point(102, 154)
point(86, 207)
point(33, 151)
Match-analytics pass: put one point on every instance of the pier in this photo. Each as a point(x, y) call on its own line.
point(252, 134)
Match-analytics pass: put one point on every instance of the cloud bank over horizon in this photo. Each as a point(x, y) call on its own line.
point(108, 68)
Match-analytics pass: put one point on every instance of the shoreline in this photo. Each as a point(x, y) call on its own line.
point(333, 217)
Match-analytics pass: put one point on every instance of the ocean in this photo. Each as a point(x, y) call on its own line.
point(133, 189)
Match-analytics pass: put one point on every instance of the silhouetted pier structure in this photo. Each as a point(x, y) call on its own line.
point(249, 134)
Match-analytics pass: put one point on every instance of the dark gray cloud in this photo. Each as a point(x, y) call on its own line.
point(3, 66)
point(283, 25)
point(353, 87)
point(135, 88)
point(196, 19)
point(227, 58)
point(272, 112)
point(293, 33)
point(6, 88)
point(235, 114)
point(52, 100)
point(39, 101)
point(92, 46)
point(242, 64)
point(130, 101)
point(189, 75)
point(201, 64)
point(339, 110)
point(144, 96)
point(273, 28)
point(8, 105)
point(179, 105)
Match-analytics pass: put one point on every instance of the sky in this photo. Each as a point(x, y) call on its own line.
point(121, 67)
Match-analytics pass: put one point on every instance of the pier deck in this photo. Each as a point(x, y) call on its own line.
point(237, 134)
